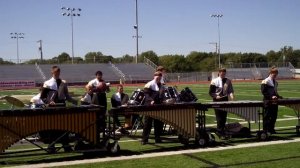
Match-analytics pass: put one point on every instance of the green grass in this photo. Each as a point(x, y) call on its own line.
point(274, 156)
point(285, 155)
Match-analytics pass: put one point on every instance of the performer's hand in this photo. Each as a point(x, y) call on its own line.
point(52, 103)
point(231, 96)
point(274, 97)
point(218, 97)
point(90, 91)
point(152, 102)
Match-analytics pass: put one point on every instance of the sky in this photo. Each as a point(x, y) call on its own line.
point(165, 26)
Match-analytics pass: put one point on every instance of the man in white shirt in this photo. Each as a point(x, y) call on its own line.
point(55, 93)
point(55, 90)
point(121, 99)
point(221, 89)
point(153, 92)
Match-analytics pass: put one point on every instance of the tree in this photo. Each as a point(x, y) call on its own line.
point(93, 57)
point(174, 63)
point(151, 55)
point(63, 58)
point(5, 62)
point(272, 56)
point(194, 60)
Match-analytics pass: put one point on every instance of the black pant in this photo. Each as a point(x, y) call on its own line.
point(270, 117)
point(100, 99)
point(158, 128)
point(221, 117)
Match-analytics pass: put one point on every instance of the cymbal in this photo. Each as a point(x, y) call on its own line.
point(14, 101)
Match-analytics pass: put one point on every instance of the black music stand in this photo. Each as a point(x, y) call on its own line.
point(137, 99)
point(138, 122)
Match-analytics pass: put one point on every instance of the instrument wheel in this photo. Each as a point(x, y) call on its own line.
point(203, 138)
point(262, 135)
point(113, 148)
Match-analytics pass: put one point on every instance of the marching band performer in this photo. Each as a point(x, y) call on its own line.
point(97, 89)
point(55, 92)
point(153, 93)
point(120, 99)
point(59, 89)
point(269, 91)
point(221, 89)
point(163, 72)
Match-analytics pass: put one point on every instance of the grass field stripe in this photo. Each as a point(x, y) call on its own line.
point(158, 154)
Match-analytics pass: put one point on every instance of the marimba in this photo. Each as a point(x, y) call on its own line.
point(182, 117)
point(18, 124)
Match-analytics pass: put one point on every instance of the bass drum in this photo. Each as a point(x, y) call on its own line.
point(170, 95)
point(186, 95)
point(137, 98)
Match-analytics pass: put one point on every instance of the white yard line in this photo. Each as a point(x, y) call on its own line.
point(158, 154)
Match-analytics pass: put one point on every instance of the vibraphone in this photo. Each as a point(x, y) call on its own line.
point(18, 124)
point(293, 104)
point(248, 110)
point(253, 110)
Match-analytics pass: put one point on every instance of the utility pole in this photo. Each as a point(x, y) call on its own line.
point(41, 49)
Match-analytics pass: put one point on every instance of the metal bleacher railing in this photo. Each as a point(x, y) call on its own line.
point(150, 63)
point(119, 73)
point(43, 76)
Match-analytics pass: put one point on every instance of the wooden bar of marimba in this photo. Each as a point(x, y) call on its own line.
point(182, 117)
point(18, 124)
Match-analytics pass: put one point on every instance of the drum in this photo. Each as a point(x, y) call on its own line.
point(170, 95)
point(137, 98)
point(186, 95)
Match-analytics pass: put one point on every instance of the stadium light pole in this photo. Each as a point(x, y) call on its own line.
point(218, 16)
point(71, 12)
point(17, 36)
point(136, 27)
point(216, 44)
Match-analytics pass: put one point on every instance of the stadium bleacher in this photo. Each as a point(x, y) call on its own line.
point(134, 72)
point(19, 72)
point(127, 72)
point(77, 73)
point(249, 73)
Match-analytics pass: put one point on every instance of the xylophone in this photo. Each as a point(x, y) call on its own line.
point(18, 124)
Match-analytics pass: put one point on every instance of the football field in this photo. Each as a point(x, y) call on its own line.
point(271, 155)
